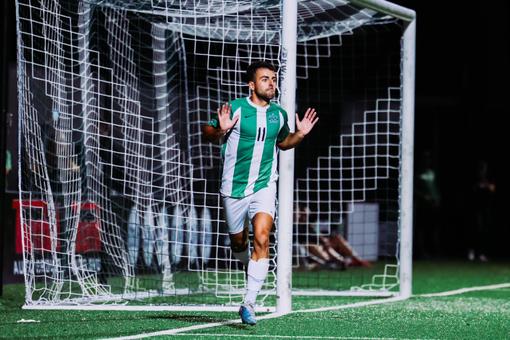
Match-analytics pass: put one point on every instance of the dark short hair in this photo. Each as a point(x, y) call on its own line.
point(252, 69)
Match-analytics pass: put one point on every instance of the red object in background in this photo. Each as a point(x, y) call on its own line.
point(36, 222)
point(89, 227)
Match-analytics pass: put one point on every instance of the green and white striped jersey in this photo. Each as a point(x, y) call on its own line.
point(249, 149)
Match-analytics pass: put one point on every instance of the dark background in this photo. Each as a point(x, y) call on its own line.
point(462, 69)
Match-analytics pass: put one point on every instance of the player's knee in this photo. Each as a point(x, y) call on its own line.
point(262, 241)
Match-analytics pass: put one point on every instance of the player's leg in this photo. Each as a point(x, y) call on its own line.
point(236, 211)
point(240, 245)
point(262, 225)
point(258, 266)
point(261, 211)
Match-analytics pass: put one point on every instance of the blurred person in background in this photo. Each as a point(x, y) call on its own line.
point(427, 202)
point(483, 192)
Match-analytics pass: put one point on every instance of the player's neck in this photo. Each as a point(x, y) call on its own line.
point(262, 102)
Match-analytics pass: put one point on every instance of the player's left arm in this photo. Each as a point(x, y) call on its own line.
point(303, 127)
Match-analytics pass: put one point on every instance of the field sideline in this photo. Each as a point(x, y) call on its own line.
point(439, 309)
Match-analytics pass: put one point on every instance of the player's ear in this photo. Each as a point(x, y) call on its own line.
point(251, 84)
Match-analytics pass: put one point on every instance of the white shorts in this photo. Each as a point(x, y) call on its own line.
point(238, 209)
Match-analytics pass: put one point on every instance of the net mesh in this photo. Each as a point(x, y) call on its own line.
point(119, 192)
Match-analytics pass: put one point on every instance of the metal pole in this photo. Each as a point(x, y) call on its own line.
point(286, 161)
point(387, 7)
point(406, 193)
point(6, 48)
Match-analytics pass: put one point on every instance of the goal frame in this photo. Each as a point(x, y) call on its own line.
point(284, 290)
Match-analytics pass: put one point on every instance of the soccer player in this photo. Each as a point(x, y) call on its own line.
point(252, 129)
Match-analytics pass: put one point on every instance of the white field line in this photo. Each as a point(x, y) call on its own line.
point(265, 336)
point(351, 305)
point(466, 290)
point(177, 331)
point(268, 316)
point(192, 328)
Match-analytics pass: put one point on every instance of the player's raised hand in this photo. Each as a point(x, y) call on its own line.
point(224, 117)
point(309, 120)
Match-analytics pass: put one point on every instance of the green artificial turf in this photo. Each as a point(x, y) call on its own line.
point(483, 314)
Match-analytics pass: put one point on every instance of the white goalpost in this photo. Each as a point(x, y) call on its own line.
point(118, 193)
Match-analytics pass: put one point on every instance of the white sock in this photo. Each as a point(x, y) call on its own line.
point(243, 256)
point(257, 273)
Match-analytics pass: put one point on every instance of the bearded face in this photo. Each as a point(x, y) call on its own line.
point(264, 85)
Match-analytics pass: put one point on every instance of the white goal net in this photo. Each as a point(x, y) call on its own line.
point(119, 200)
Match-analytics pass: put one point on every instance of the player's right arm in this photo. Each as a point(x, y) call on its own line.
point(221, 125)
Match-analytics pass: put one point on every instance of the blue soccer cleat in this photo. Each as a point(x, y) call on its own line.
point(247, 313)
